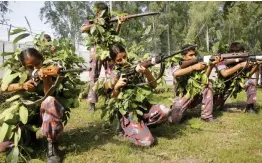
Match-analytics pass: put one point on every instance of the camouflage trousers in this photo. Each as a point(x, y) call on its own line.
point(138, 132)
point(181, 104)
point(250, 89)
point(93, 75)
point(51, 112)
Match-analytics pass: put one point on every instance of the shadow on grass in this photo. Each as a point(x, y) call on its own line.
point(80, 140)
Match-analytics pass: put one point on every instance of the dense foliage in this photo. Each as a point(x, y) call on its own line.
point(19, 119)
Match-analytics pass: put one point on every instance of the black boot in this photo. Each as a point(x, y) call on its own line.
point(250, 109)
point(119, 129)
point(210, 120)
point(92, 108)
point(52, 153)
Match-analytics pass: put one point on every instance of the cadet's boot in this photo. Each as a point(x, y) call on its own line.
point(119, 129)
point(250, 109)
point(92, 108)
point(210, 120)
point(52, 153)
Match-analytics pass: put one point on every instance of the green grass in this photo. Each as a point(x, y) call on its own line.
point(236, 138)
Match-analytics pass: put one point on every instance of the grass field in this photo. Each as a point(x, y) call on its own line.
point(236, 138)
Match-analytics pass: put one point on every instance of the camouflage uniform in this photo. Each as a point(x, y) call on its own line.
point(93, 75)
point(95, 72)
point(138, 132)
point(51, 112)
point(250, 86)
point(182, 103)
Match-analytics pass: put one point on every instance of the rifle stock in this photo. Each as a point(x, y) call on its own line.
point(153, 61)
point(184, 64)
point(230, 56)
point(115, 19)
point(234, 58)
point(54, 71)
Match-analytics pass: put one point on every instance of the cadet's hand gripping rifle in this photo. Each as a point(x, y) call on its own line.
point(151, 62)
point(51, 71)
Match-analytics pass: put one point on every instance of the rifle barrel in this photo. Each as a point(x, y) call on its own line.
point(115, 19)
point(76, 70)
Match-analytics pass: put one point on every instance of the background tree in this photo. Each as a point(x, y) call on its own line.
point(209, 24)
point(3, 10)
point(67, 17)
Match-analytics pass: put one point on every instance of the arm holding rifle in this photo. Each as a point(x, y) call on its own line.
point(254, 68)
point(187, 70)
point(212, 65)
point(226, 72)
point(120, 21)
point(86, 26)
point(148, 75)
point(189, 55)
point(122, 81)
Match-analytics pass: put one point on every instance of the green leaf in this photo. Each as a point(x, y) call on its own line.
point(17, 136)
point(13, 156)
point(204, 79)
point(122, 111)
point(120, 95)
point(10, 132)
point(18, 30)
point(153, 99)
point(92, 30)
point(134, 117)
point(12, 109)
point(28, 25)
point(101, 21)
point(23, 113)
point(7, 79)
point(76, 103)
point(11, 119)
point(3, 131)
point(126, 105)
point(13, 98)
point(20, 37)
point(139, 112)
point(101, 29)
point(149, 39)
point(23, 78)
point(7, 53)
point(148, 29)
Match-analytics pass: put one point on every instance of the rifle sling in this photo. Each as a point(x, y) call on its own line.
point(49, 92)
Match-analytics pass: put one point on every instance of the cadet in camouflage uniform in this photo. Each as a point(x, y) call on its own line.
point(182, 103)
point(137, 132)
point(250, 84)
point(51, 111)
point(97, 64)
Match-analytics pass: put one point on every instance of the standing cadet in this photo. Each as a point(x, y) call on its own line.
point(97, 64)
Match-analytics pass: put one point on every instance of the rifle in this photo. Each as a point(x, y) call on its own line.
point(115, 19)
point(51, 71)
point(151, 62)
point(234, 58)
point(184, 64)
point(54, 71)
